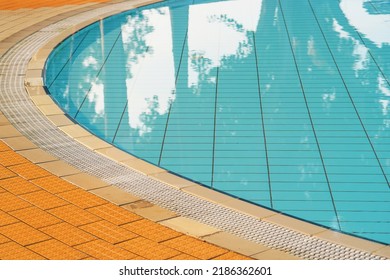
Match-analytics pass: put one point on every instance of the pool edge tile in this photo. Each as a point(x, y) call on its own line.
point(189, 226)
point(37, 155)
point(59, 168)
point(296, 224)
point(150, 211)
point(115, 154)
point(75, 130)
point(273, 254)
point(351, 241)
point(173, 180)
point(115, 195)
point(20, 143)
point(208, 194)
point(384, 251)
point(143, 166)
point(86, 181)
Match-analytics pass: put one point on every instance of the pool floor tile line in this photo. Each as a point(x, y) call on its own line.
point(44, 134)
point(349, 94)
point(320, 152)
point(171, 104)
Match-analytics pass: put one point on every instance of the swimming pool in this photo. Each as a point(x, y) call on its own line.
point(281, 103)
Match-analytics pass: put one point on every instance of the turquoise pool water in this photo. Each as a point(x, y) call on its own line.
point(284, 103)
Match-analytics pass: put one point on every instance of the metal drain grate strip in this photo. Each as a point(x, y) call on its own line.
point(22, 113)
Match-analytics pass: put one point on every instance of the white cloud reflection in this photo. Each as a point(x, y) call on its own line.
point(217, 31)
point(150, 78)
point(375, 27)
point(359, 50)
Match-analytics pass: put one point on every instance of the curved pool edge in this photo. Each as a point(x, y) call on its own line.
point(35, 88)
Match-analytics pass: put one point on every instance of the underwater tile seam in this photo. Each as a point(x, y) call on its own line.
point(17, 106)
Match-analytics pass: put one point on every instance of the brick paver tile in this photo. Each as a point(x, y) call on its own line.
point(149, 249)
point(6, 173)
point(14, 251)
point(74, 215)
point(9, 158)
point(114, 214)
point(18, 185)
point(23, 234)
point(15, 5)
point(232, 256)
point(151, 230)
point(3, 239)
point(6, 219)
point(10, 202)
point(55, 250)
point(68, 234)
point(82, 199)
point(54, 184)
point(108, 232)
point(195, 247)
point(4, 147)
point(35, 217)
point(183, 257)
point(103, 250)
point(139, 258)
point(29, 171)
point(44, 200)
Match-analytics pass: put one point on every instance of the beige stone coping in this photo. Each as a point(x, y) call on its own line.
point(35, 89)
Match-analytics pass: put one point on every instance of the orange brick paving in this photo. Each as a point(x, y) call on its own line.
point(3, 239)
point(45, 217)
point(152, 231)
point(74, 215)
point(34, 4)
point(114, 214)
point(195, 247)
point(53, 249)
point(14, 251)
point(53, 184)
point(28, 170)
point(23, 234)
point(35, 217)
point(44, 200)
point(18, 186)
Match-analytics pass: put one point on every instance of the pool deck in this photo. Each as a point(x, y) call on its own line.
point(53, 209)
